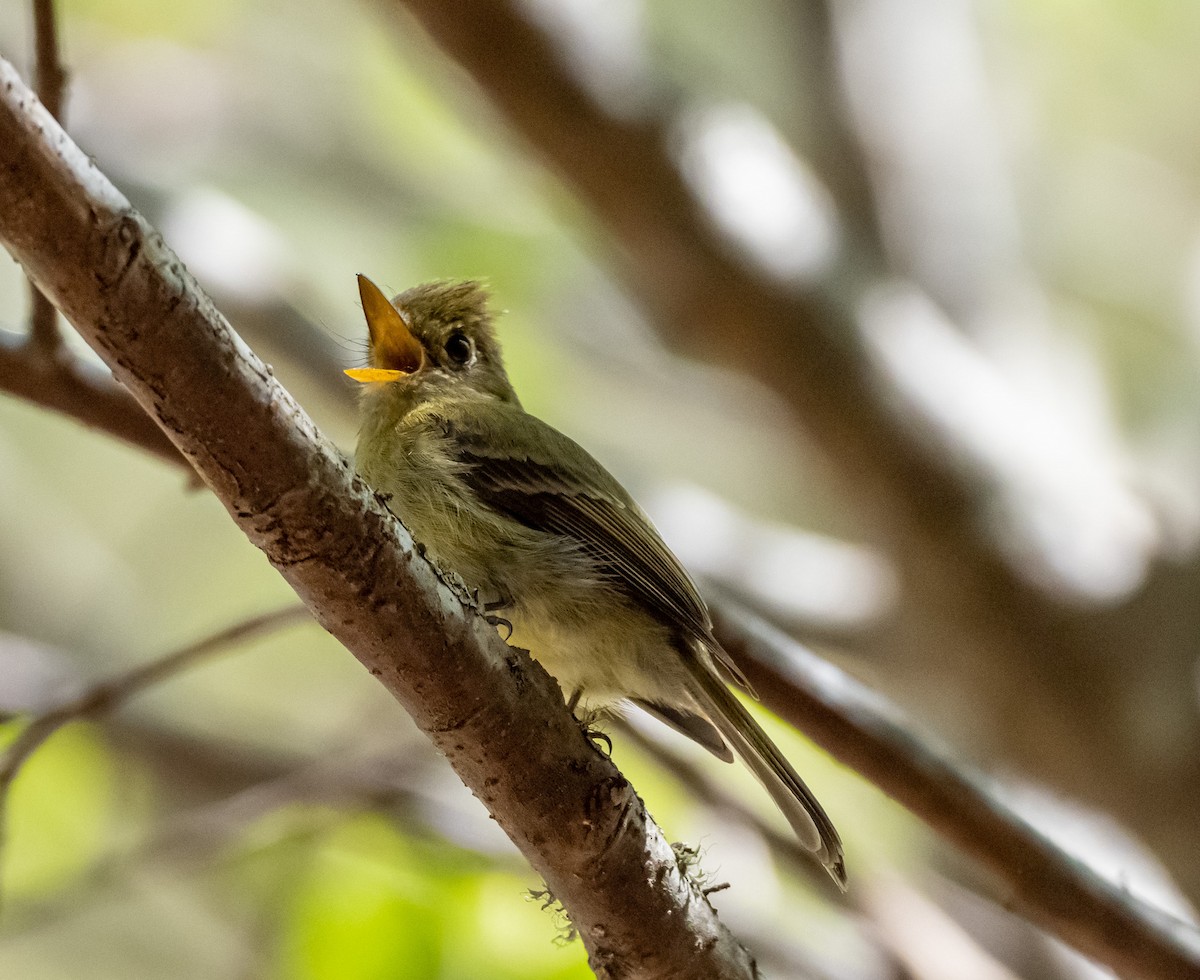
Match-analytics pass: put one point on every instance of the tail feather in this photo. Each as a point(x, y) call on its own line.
point(761, 756)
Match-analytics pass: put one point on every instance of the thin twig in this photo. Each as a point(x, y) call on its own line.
point(262, 782)
point(867, 733)
point(51, 79)
point(109, 695)
point(50, 84)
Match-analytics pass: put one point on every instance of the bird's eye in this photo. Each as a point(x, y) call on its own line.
point(459, 348)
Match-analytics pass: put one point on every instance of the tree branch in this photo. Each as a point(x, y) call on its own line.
point(85, 393)
point(865, 732)
point(107, 696)
point(50, 83)
point(498, 718)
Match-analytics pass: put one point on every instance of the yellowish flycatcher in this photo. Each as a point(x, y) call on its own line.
point(548, 537)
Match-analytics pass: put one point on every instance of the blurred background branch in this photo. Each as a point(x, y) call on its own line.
point(50, 84)
point(109, 695)
point(55, 379)
point(861, 729)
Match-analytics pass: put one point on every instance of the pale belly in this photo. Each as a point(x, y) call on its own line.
point(602, 649)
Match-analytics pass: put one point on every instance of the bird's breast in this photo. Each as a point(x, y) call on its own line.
point(563, 608)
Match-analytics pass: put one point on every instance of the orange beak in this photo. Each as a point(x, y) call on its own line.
point(395, 352)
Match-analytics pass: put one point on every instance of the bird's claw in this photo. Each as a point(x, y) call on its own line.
point(499, 621)
point(595, 736)
point(490, 608)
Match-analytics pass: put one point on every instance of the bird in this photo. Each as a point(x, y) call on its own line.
point(556, 549)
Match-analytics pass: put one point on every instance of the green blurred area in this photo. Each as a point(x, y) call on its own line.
point(61, 812)
point(344, 134)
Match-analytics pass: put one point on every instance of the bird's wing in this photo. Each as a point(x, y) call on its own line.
point(542, 478)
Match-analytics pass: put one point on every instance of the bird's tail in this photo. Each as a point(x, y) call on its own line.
point(763, 758)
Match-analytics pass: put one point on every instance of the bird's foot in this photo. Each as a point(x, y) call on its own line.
point(489, 610)
point(587, 723)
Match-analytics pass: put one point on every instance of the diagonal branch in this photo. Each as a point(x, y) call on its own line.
point(861, 729)
point(499, 719)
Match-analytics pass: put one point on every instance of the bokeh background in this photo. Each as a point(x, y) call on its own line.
point(1004, 196)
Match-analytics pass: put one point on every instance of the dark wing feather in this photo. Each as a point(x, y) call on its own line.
point(628, 552)
point(540, 477)
point(696, 727)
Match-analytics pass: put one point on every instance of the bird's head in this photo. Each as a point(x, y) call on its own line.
point(437, 335)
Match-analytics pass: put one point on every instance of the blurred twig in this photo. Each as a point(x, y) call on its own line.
point(38, 367)
point(85, 393)
point(107, 696)
point(861, 729)
point(50, 83)
point(51, 80)
point(248, 783)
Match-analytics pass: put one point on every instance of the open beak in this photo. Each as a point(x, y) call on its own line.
point(395, 352)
